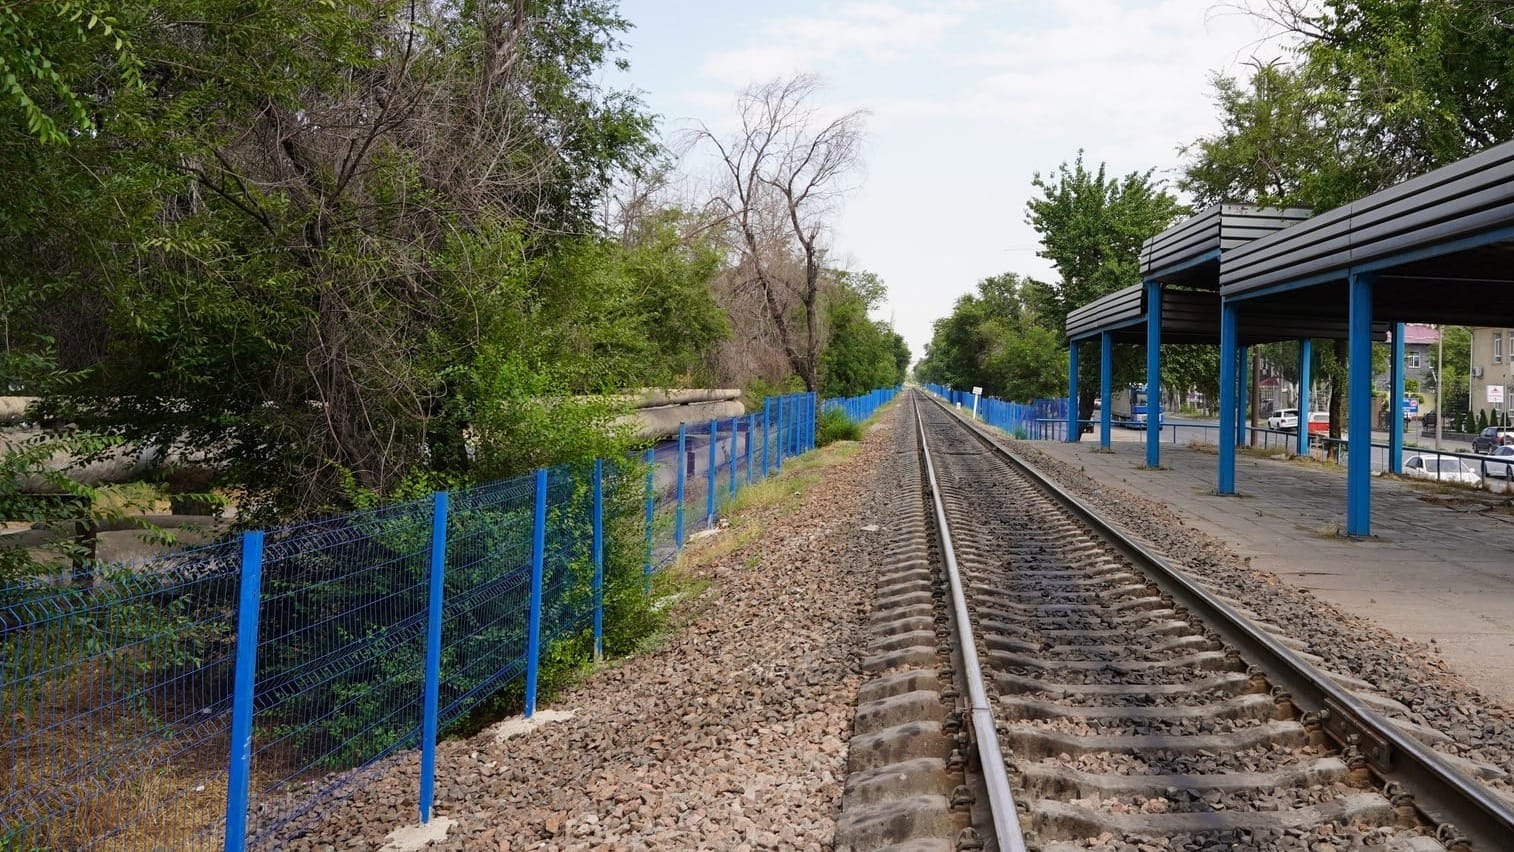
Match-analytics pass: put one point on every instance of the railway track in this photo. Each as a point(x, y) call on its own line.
point(1078, 683)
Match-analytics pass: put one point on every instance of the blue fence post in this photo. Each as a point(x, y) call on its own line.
point(731, 452)
point(811, 412)
point(538, 564)
point(439, 504)
point(767, 405)
point(709, 493)
point(651, 517)
point(778, 442)
point(683, 464)
point(751, 435)
point(239, 770)
point(599, 559)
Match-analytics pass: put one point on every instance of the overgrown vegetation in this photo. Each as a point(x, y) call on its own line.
point(836, 426)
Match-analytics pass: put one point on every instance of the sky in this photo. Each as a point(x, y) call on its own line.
point(967, 100)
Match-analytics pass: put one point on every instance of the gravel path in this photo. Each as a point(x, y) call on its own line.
point(1404, 670)
point(730, 735)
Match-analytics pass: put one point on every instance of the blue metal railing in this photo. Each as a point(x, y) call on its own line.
point(1032, 420)
point(226, 695)
point(859, 408)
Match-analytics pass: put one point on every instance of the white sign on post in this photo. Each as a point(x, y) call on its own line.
point(977, 392)
point(1495, 394)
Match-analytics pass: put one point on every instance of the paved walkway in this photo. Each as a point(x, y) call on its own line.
point(1434, 569)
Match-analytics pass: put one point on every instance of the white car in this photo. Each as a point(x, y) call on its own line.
point(1283, 418)
point(1441, 469)
point(1503, 467)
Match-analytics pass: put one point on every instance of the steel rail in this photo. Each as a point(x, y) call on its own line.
point(1001, 800)
point(1442, 792)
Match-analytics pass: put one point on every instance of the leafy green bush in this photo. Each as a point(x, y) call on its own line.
point(836, 426)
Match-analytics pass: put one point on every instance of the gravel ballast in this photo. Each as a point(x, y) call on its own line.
point(1479, 728)
point(729, 735)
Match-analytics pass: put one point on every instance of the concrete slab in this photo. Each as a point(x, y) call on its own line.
point(412, 838)
point(517, 726)
point(1434, 571)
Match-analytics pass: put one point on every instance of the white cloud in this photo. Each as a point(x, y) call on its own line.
point(871, 31)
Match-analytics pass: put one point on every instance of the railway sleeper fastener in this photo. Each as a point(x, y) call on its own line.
point(1314, 728)
point(1359, 771)
point(1403, 805)
point(1452, 838)
point(1256, 682)
point(962, 799)
point(1283, 708)
point(969, 839)
point(954, 761)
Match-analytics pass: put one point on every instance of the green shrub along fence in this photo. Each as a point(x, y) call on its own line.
point(223, 696)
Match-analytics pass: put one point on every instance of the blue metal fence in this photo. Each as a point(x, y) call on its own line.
point(861, 407)
point(225, 695)
point(1037, 420)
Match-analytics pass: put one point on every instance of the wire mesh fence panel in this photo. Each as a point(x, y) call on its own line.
point(115, 697)
point(568, 568)
point(488, 587)
point(341, 645)
point(116, 707)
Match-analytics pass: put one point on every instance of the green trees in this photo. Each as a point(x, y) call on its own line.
point(337, 254)
point(997, 340)
point(861, 354)
point(1091, 229)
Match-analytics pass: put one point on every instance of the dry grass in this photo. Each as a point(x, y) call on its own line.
point(84, 773)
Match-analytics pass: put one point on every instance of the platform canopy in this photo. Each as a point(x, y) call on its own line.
point(1439, 248)
point(1188, 253)
point(1193, 316)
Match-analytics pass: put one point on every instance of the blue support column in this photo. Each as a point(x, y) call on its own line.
point(599, 559)
point(1305, 364)
point(1072, 391)
point(538, 568)
point(244, 683)
point(1396, 403)
point(1228, 335)
point(1106, 381)
point(683, 467)
point(1359, 408)
point(1153, 374)
point(433, 677)
point(709, 491)
point(651, 510)
point(1243, 389)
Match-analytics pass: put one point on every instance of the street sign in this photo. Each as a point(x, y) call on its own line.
point(1495, 394)
point(1411, 406)
point(977, 391)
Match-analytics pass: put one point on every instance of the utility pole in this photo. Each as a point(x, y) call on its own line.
point(1440, 416)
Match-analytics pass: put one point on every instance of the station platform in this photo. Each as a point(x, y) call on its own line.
point(1439, 568)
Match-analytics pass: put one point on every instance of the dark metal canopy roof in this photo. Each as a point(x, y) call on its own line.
point(1441, 244)
point(1189, 252)
point(1193, 316)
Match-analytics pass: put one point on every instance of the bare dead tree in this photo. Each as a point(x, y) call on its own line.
point(783, 175)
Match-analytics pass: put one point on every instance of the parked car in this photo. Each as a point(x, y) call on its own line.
point(1502, 469)
point(1319, 422)
point(1493, 436)
point(1283, 418)
point(1441, 469)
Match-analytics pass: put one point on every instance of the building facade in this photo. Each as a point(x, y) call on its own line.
point(1490, 377)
